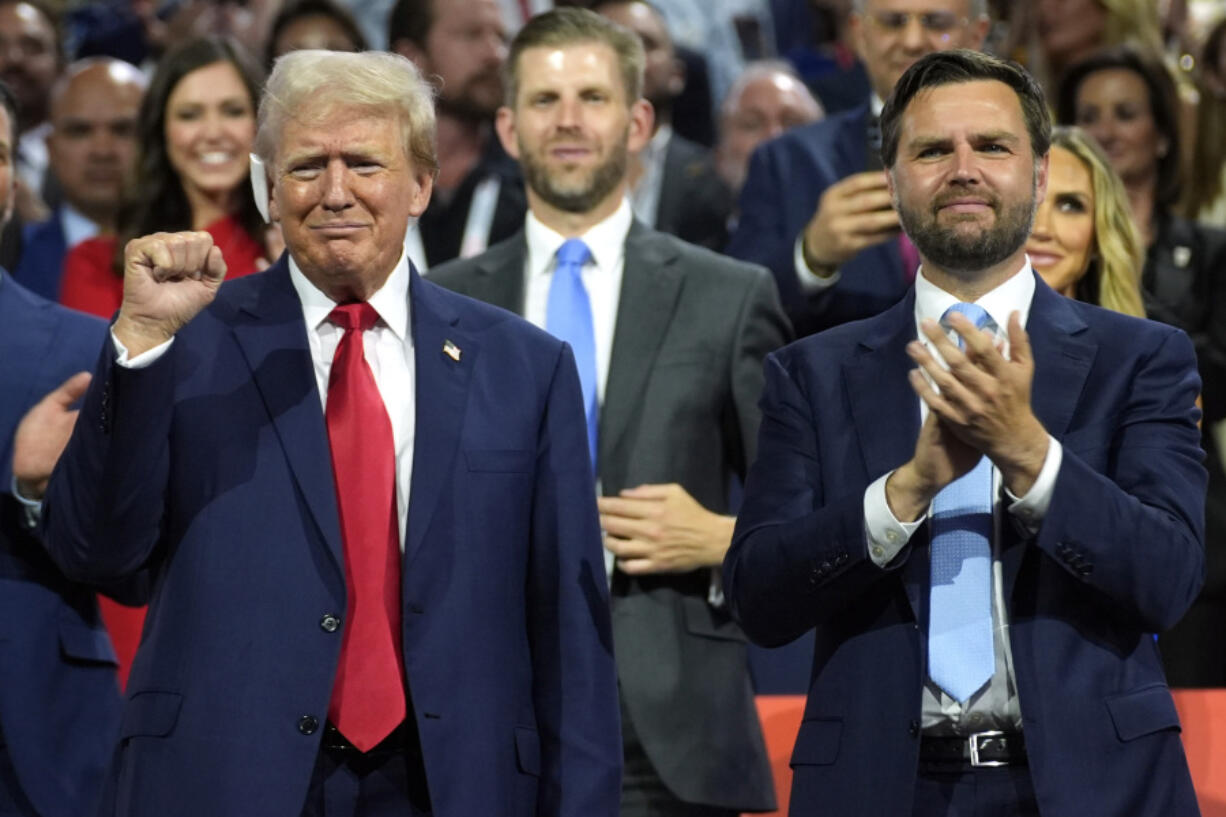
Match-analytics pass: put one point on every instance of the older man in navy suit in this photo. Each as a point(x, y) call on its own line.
point(815, 209)
point(984, 523)
point(365, 503)
point(59, 700)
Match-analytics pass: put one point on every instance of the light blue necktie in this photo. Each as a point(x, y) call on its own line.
point(960, 655)
point(568, 316)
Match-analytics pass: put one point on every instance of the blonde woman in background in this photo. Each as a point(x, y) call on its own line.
point(1084, 243)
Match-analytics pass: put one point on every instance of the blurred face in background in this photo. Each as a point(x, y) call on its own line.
point(29, 59)
point(891, 35)
point(465, 48)
point(1061, 241)
point(210, 128)
point(1070, 29)
point(663, 73)
point(760, 109)
point(92, 145)
point(313, 31)
point(1114, 106)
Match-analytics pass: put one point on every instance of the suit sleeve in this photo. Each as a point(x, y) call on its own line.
point(1134, 531)
point(761, 234)
point(575, 683)
point(103, 510)
point(761, 329)
point(797, 556)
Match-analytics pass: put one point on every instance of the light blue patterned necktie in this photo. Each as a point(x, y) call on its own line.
point(568, 316)
point(960, 654)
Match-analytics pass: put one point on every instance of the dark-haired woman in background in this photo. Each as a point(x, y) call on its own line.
point(197, 127)
point(312, 24)
point(1127, 101)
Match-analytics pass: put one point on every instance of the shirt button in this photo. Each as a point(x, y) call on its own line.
point(307, 724)
point(878, 550)
point(891, 536)
point(329, 623)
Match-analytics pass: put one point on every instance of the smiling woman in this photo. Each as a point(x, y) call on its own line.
point(1083, 242)
point(197, 126)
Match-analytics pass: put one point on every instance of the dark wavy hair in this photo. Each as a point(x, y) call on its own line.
point(958, 66)
point(155, 200)
point(1163, 102)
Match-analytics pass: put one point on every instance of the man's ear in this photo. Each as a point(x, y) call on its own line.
point(407, 48)
point(642, 123)
point(504, 124)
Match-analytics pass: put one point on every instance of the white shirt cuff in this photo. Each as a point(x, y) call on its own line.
point(146, 358)
point(809, 280)
point(33, 508)
point(885, 535)
point(1031, 509)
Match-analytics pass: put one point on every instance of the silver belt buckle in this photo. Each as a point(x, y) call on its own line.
point(973, 742)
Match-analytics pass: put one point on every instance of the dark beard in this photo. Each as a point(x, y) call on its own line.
point(601, 183)
point(956, 252)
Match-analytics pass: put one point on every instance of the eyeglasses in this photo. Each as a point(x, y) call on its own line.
point(941, 23)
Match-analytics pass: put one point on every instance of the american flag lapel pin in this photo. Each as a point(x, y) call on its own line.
point(451, 350)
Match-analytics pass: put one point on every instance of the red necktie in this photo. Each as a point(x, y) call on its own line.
point(368, 695)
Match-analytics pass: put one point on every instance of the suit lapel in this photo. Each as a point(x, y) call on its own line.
point(651, 284)
point(441, 393)
point(500, 275)
point(270, 330)
point(885, 410)
point(1063, 357)
point(29, 337)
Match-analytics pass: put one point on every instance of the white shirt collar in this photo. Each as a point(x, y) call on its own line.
point(76, 226)
point(606, 240)
point(391, 300)
point(1014, 295)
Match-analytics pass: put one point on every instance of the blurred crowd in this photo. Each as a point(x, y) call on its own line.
point(138, 116)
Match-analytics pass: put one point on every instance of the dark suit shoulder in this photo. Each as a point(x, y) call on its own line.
point(71, 327)
point(718, 268)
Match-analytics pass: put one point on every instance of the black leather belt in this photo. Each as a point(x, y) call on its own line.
point(979, 749)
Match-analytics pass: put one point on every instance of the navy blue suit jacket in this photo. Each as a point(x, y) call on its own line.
point(211, 469)
point(43, 248)
point(59, 699)
point(1119, 556)
point(787, 177)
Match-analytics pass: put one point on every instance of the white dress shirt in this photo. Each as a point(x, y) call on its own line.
point(602, 277)
point(388, 348)
point(76, 225)
point(996, 705)
point(645, 198)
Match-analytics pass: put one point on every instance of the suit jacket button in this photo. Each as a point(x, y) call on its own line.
point(307, 724)
point(827, 567)
point(329, 623)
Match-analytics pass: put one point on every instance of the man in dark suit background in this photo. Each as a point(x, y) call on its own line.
point(815, 209)
point(478, 200)
point(364, 502)
point(984, 575)
point(669, 339)
point(92, 147)
point(675, 187)
point(59, 698)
